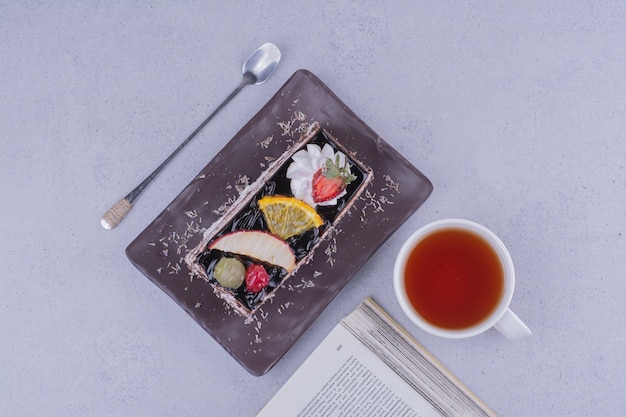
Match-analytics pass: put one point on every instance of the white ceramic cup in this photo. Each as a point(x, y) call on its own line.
point(501, 318)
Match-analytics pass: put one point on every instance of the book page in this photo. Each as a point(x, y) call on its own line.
point(343, 378)
point(387, 340)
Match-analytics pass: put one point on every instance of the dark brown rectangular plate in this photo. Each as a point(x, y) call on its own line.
point(394, 191)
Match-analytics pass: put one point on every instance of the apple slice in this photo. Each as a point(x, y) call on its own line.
point(258, 245)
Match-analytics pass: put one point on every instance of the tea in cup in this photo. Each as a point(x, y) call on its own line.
point(455, 278)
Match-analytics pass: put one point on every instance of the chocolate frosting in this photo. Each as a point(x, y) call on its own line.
point(395, 191)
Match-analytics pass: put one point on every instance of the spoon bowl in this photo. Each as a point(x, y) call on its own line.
point(262, 63)
point(256, 70)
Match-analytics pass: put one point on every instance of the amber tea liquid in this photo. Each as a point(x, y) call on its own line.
point(454, 279)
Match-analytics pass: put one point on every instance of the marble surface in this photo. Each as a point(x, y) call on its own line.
point(515, 110)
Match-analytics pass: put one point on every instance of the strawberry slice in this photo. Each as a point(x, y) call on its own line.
point(331, 180)
point(257, 278)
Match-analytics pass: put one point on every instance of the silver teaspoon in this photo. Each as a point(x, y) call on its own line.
point(256, 70)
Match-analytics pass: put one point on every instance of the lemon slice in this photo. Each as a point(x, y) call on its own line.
point(288, 216)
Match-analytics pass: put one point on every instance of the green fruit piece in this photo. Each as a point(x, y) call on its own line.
point(229, 272)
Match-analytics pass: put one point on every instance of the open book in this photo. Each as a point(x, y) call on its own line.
point(369, 366)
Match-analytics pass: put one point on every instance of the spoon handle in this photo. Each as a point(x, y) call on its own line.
point(119, 210)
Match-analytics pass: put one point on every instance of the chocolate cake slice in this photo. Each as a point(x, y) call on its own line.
point(245, 215)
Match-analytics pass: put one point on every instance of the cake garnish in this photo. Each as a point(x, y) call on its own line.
point(330, 181)
point(259, 245)
point(288, 216)
point(229, 272)
point(257, 278)
point(319, 176)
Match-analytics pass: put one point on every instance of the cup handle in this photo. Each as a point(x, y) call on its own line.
point(511, 326)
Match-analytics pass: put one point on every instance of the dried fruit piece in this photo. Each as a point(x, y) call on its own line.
point(257, 278)
point(258, 245)
point(288, 216)
point(229, 272)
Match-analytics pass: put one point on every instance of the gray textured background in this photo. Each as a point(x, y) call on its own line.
point(515, 110)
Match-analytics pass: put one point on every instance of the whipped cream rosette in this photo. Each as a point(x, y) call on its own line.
point(319, 171)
